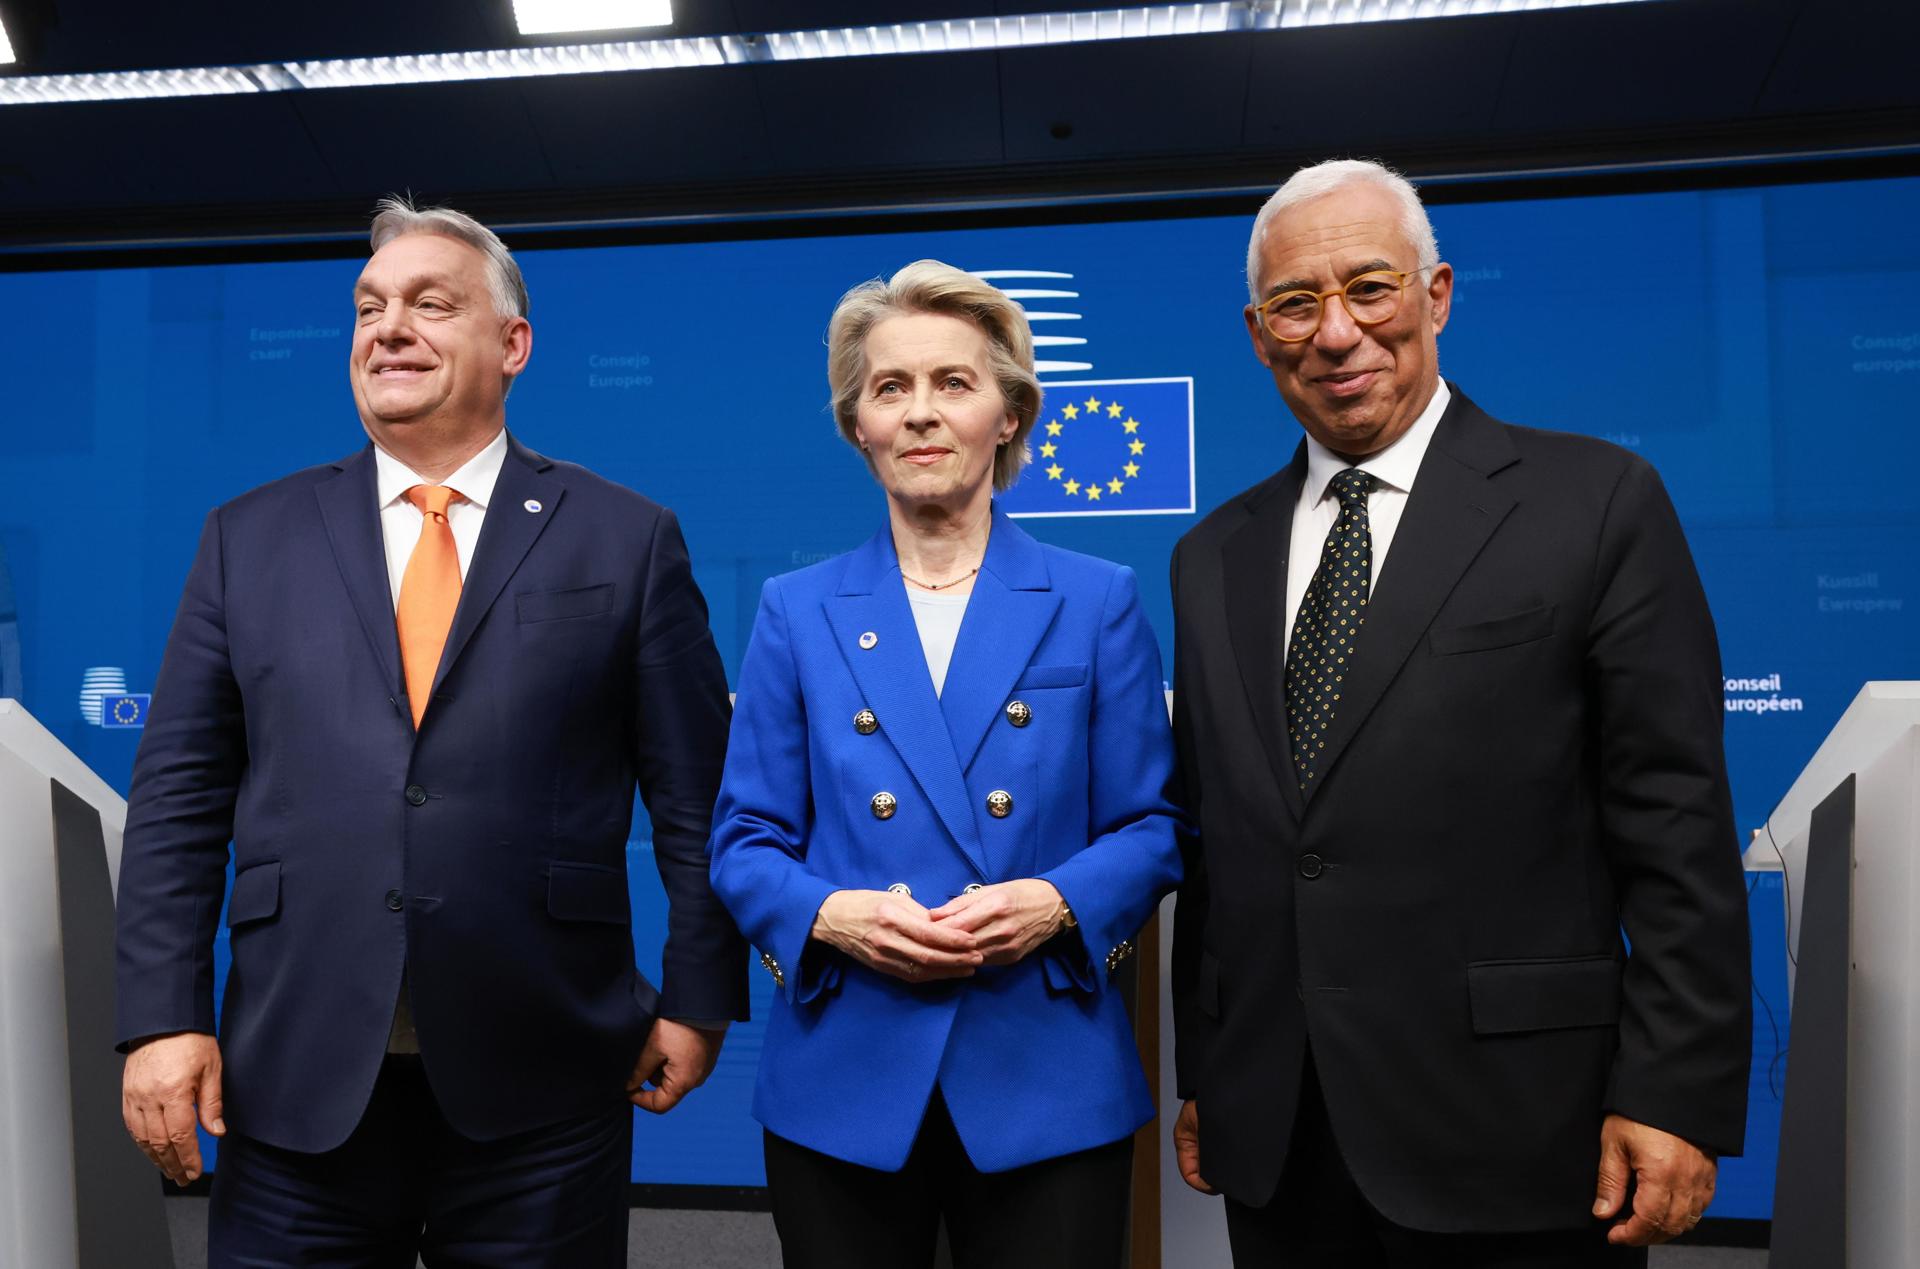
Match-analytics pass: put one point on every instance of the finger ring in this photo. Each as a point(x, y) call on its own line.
point(913, 969)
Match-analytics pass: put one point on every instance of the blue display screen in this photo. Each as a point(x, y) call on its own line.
point(1760, 346)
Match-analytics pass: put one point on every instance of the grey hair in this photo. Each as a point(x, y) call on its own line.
point(1324, 178)
point(928, 286)
point(396, 215)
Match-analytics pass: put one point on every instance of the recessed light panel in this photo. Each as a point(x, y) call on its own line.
point(552, 17)
point(1143, 22)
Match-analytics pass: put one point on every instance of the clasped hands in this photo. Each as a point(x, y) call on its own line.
point(889, 932)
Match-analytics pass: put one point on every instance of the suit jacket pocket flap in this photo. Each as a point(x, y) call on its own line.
point(586, 892)
point(558, 605)
point(1501, 632)
point(256, 893)
point(1037, 676)
point(1544, 995)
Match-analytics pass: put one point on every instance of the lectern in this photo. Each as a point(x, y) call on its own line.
point(1848, 837)
point(74, 1191)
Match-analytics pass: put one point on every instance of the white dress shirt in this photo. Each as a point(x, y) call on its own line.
point(1393, 470)
point(937, 618)
point(400, 519)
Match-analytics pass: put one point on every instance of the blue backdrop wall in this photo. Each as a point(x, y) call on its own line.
point(1760, 346)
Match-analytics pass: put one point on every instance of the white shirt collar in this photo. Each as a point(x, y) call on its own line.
point(1394, 466)
point(474, 480)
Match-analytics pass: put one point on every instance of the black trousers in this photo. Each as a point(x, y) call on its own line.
point(1064, 1213)
point(1318, 1219)
point(406, 1184)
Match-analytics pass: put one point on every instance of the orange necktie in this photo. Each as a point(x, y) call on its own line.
point(429, 592)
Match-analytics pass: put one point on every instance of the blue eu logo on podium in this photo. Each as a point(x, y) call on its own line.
point(1110, 447)
point(125, 711)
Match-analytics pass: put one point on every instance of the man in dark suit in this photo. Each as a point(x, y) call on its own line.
point(1446, 703)
point(416, 689)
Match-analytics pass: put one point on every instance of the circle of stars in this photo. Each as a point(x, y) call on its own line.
point(1093, 490)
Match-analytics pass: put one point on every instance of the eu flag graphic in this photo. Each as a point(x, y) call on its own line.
point(1111, 447)
point(129, 710)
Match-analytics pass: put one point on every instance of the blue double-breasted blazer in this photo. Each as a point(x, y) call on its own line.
point(1034, 1059)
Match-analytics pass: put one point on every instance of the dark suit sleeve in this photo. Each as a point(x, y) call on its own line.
point(186, 780)
point(1190, 908)
point(1653, 668)
point(681, 739)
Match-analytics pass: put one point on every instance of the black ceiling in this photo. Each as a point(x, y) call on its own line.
point(1634, 84)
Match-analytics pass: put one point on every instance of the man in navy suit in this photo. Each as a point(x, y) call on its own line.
point(416, 689)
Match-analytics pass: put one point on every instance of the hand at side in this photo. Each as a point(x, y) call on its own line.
point(1674, 1182)
point(163, 1082)
point(676, 1059)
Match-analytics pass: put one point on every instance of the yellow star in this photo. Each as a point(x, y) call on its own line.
point(1132, 470)
point(1130, 426)
point(1046, 451)
point(1053, 471)
point(1093, 493)
point(1114, 411)
point(1136, 447)
point(1093, 405)
point(1072, 487)
point(1115, 485)
point(1070, 410)
point(1053, 429)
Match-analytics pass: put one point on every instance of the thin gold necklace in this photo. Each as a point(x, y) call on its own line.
point(943, 585)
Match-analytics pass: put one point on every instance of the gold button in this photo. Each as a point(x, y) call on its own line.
point(1019, 713)
point(999, 804)
point(901, 888)
point(865, 723)
point(883, 805)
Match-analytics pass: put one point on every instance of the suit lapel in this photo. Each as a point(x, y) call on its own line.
point(1011, 609)
point(893, 680)
point(352, 518)
point(1453, 509)
point(1254, 568)
point(506, 535)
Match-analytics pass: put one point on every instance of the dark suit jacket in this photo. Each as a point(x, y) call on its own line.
point(487, 853)
point(1527, 757)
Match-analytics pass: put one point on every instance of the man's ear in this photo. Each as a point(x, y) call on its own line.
point(516, 346)
point(1440, 295)
point(1258, 335)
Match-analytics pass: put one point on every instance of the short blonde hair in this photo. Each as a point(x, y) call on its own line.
point(928, 286)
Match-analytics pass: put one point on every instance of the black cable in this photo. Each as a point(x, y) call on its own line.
point(1773, 1067)
point(1786, 883)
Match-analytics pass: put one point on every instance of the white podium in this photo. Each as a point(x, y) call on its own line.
point(74, 1191)
point(1848, 837)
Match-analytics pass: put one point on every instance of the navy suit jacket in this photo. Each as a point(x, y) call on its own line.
point(486, 853)
point(1035, 1059)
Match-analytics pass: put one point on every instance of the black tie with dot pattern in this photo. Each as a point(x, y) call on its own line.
point(1327, 629)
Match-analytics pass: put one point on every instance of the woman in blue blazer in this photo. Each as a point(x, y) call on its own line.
point(943, 821)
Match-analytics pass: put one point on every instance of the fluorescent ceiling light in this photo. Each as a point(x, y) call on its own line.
point(951, 36)
point(549, 17)
point(6, 46)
